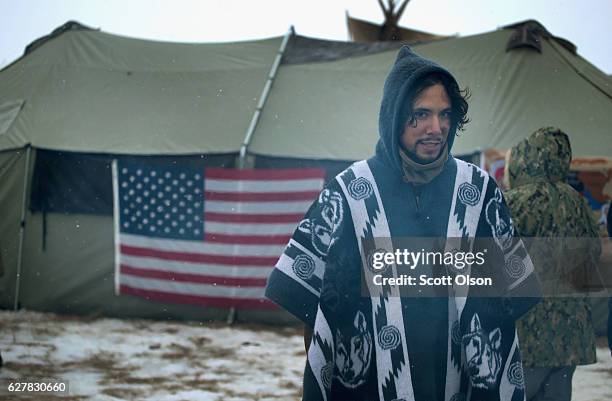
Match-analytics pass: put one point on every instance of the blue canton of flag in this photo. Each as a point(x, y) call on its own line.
point(163, 202)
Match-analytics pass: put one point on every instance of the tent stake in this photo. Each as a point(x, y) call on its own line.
point(262, 99)
point(22, 226)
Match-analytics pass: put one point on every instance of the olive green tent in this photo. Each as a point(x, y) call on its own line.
point(80, 97)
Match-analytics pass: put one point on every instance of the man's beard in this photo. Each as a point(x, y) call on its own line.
point(420, 160)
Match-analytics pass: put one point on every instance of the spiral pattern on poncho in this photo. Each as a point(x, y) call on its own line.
point(389, 337)
point(326, 374)
point(468, 194)
point(360, 188)
point(370, 262)
point(515, 268)
point(303, 266)
point(515, 374)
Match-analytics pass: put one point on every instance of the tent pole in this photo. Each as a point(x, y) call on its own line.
point(242, 162)
point(262, 99)
point(22, 226)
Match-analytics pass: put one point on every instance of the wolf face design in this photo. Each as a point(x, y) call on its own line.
point(500, 222)
point(353, 353)
point(483, 355)
point(321, 227)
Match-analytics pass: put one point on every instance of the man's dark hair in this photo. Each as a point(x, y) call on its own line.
point(458, 98)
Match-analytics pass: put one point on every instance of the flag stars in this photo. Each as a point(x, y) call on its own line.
point(161, 203)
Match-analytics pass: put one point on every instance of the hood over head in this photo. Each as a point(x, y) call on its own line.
point(400, 84)
point(544, 156)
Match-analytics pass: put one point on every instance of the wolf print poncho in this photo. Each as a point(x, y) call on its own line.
point(381, 345)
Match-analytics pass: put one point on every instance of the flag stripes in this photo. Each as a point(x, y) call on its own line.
point(221, 257)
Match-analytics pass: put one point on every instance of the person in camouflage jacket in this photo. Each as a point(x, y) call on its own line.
point(557, 334)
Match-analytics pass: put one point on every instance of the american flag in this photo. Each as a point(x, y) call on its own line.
point(207, 236)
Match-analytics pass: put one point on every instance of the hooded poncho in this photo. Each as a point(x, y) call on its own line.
point(379, 345)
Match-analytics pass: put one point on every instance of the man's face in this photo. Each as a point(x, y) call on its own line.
point(425, 136)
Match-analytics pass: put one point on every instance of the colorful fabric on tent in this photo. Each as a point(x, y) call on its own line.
point(204, 236)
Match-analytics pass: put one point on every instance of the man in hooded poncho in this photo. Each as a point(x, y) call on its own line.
point(380, 345)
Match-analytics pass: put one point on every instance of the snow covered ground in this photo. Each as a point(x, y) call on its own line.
point(111, 359)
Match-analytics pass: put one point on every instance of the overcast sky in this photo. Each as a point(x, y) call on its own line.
point(586, 23)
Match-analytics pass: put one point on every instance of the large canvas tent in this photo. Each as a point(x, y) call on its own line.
point(81, 97)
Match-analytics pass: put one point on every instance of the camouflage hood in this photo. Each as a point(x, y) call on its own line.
point(544, 156)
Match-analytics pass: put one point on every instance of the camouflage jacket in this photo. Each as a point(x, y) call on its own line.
point(558, 331)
